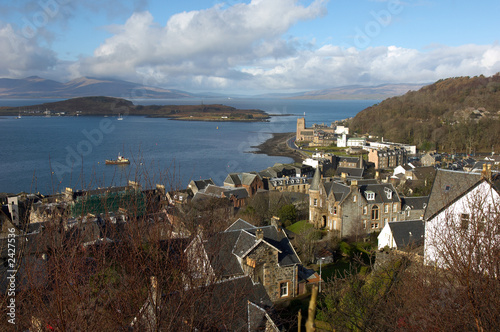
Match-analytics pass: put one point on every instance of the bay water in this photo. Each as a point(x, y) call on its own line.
point(47, 154)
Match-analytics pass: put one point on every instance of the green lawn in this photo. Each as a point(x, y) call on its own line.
point(299, 226)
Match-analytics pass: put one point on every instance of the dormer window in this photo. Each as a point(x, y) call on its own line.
point(388, 193)
point(370, 195)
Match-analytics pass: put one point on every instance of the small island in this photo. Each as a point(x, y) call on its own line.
point(108, 106)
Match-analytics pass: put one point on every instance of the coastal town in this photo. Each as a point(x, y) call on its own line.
point(249, 253)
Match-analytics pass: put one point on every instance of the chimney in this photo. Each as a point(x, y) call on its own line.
point(259, 234)
point(486, 173)
point(275, 221)
point(354, 183)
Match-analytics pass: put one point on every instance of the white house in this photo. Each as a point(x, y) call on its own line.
point(462, 219)
point(402, 235)
point(339, 130)
point(342, 141)
point(356, 142)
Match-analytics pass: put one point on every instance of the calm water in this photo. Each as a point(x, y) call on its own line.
point(40, 154)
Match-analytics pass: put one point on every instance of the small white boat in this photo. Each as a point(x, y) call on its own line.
point(120, 117)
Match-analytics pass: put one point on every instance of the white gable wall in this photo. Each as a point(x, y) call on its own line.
point(385, 238)
point(444, 229)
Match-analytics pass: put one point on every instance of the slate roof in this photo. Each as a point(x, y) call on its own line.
point(408, 233)
point(239, 224)
point(200, 197)
point(224, 248)
point(415, 203)
point(424, 172)
point(287, 256)
point(238, 179)
point(237, 295)
point(201, 185)
point(338, 189)
point(235, 304)
point(239, 193)
point(447, 187)
point(380, 193)
point(316, 180)
point(351, 172)
point(219, 249)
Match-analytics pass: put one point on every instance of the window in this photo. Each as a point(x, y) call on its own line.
point(284, 289)
point(481, 224)
point(365, 209)
point(315, 202)
point(335, 210)
point(370, 195)
point(394, 218)
point(375, 212)
point(354, 198)
point(395, 207)
point(386, 220)
point(464, 220)
point(375, 225)
point(386, 208)
point(388, 193)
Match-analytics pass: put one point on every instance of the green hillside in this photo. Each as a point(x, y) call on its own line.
point(456, 114)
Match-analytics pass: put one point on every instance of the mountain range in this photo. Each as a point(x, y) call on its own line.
point(35, 87)
point(361, 92)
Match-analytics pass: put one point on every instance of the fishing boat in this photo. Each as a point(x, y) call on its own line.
point(118, 161)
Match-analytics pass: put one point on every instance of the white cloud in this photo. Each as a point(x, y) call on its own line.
point(20, 56)
point(243, 47)
point(212, 43)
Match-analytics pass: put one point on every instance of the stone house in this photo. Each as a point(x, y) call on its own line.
point(351, 162)
point(199, 185)
point(430, 159)
point(290, 184)
point(352, 207)
point(237, 196)
point(252, 182)
point(413, 208)
point(388, 157)
point(265, 254)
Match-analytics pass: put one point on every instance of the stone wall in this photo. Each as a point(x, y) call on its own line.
point(268, 272)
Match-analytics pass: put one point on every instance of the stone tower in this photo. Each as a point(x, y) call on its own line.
point(317, 205)
point(301, 125)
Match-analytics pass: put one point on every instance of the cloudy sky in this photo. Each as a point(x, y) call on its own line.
point(250, 46)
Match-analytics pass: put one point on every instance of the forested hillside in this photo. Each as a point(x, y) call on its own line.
point(456, 114)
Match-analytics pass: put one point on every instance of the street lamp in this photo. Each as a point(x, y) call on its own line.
point(320, 261)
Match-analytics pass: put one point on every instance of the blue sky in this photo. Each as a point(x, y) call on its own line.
point(250, 46)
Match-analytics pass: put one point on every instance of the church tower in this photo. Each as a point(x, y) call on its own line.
point(301, 125)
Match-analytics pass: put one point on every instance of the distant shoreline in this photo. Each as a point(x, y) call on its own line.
point(277, 146)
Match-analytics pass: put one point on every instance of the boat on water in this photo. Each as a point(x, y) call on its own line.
point(118, 161)
point(120, 117)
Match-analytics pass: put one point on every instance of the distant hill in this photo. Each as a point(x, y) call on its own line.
point(454, 114)
point(36, 87)
point(359, 92)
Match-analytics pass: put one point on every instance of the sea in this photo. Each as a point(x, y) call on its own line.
point(47, 154)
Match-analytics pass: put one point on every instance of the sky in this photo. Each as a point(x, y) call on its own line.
point(253, 46)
